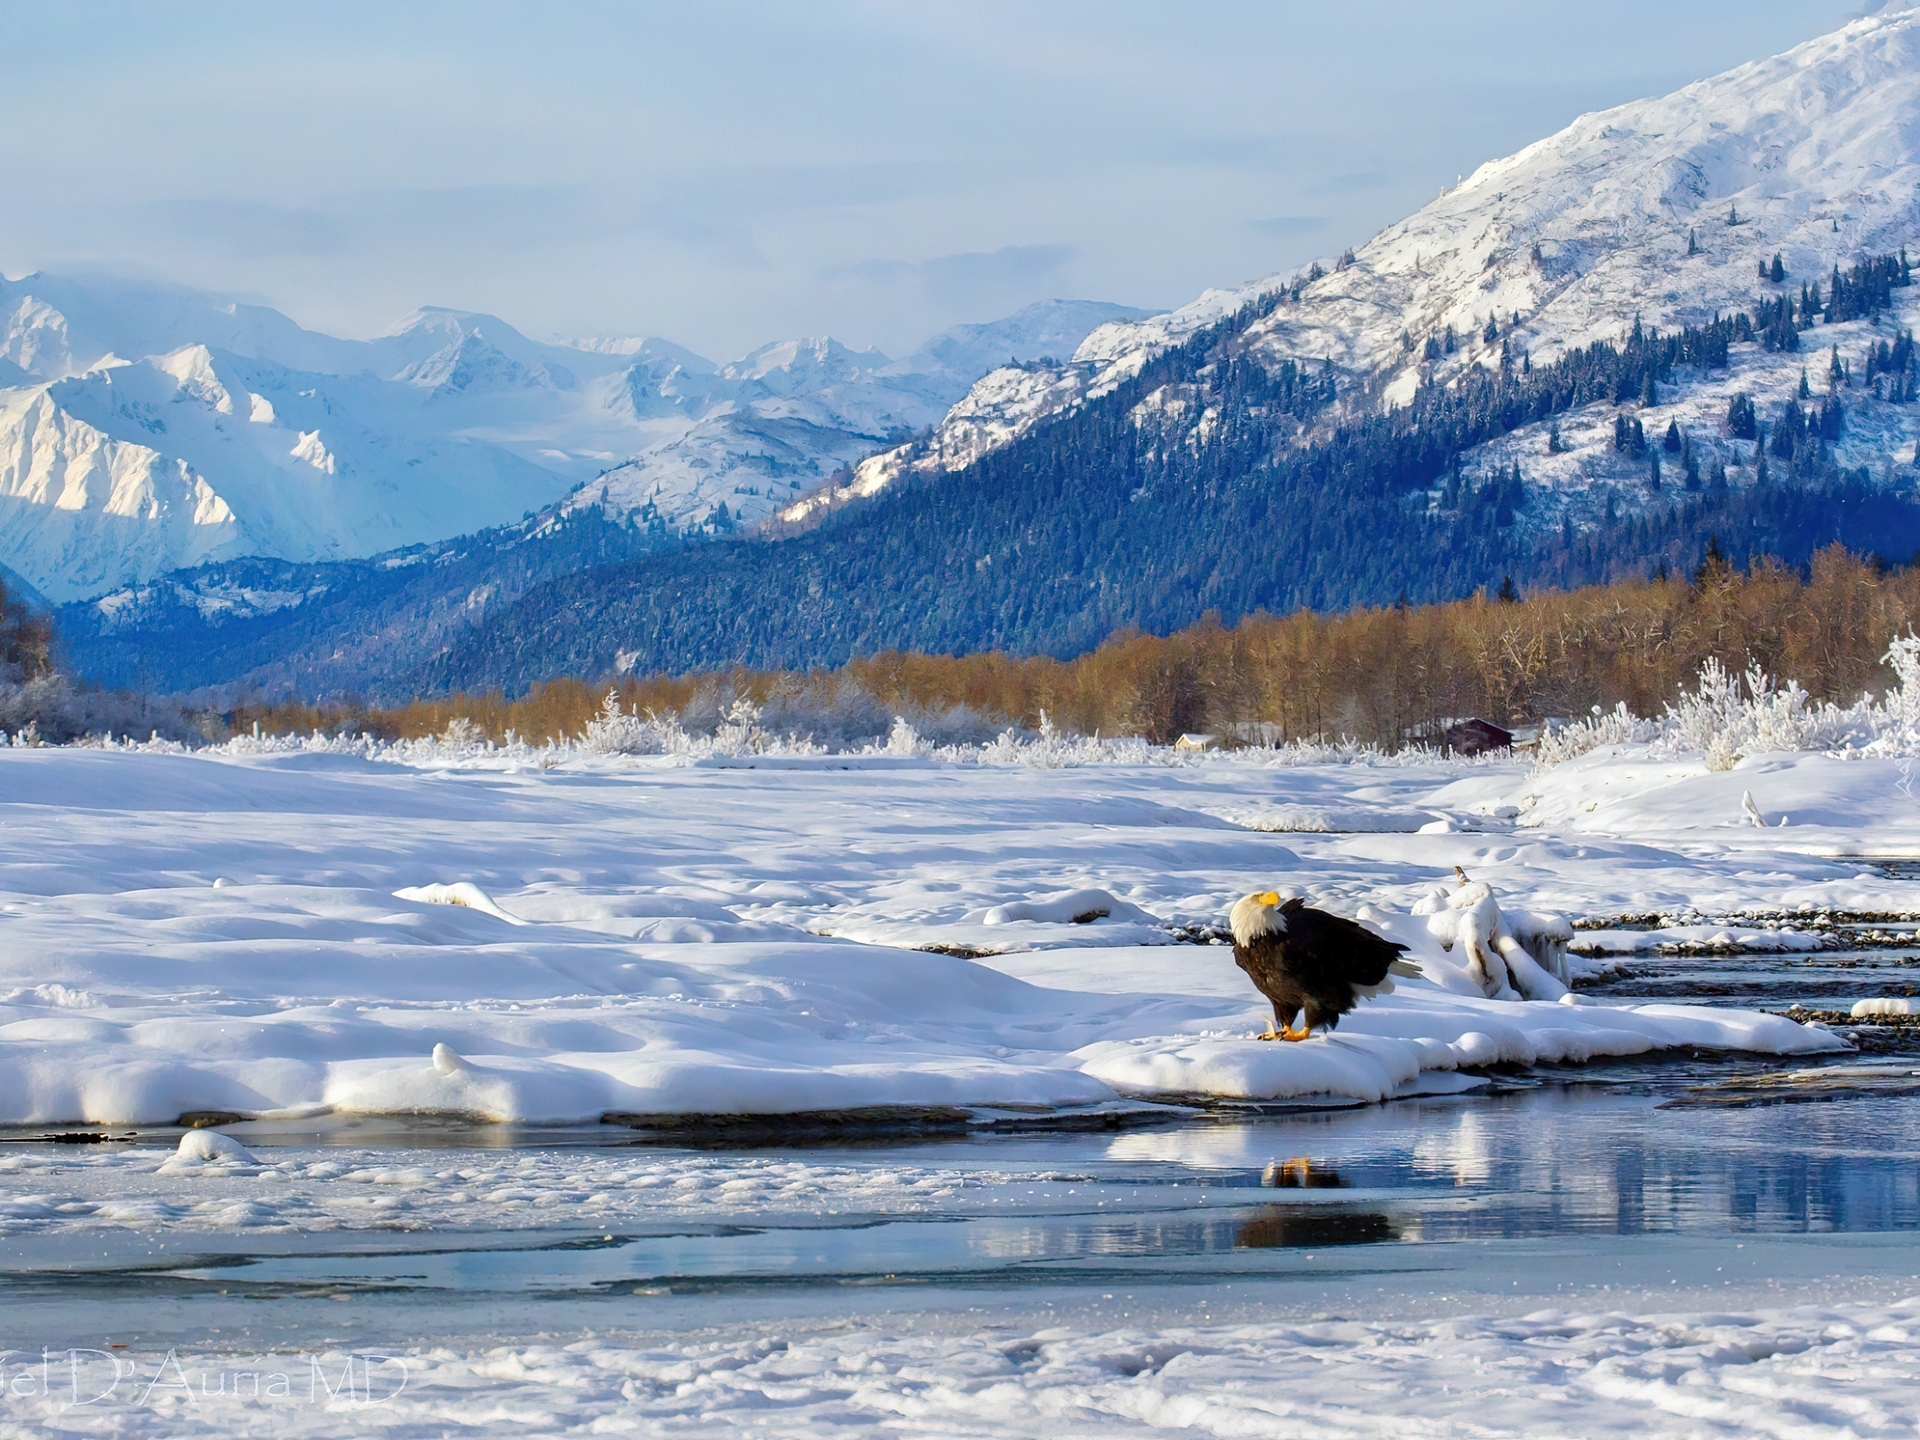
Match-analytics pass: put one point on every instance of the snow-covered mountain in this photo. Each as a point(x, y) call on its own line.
point(148, 428)
point(201, 454)
point(776, 424)
point(1662, 209)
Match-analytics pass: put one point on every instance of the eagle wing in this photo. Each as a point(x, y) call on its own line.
point(1322, 947)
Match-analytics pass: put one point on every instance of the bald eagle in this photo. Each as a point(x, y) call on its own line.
point(1305, 959)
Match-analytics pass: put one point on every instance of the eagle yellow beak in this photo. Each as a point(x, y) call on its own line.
point(1267, 897)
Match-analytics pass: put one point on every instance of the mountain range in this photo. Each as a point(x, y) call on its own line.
point(145, 429)
point(1539, 375)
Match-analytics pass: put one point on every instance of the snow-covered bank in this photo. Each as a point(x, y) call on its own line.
point(1816, 1370)
point(260, 933)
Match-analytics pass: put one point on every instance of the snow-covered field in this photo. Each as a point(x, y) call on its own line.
point(271, 934)
point(451, 932)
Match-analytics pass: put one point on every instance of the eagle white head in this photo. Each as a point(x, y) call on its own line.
point(1256, 915)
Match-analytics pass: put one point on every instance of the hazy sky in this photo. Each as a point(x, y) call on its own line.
point(725, 174)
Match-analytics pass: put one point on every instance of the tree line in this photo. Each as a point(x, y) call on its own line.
point(1384, 674)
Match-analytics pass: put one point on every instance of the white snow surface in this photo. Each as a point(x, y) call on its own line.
point(1818, 1370)
point(517, 935)
point(1817, 153)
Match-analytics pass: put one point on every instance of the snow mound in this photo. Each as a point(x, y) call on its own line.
point(461, 892)
point(1895, 1005)
point(1328, 819)
point(208, 1152)
point(1074, 907)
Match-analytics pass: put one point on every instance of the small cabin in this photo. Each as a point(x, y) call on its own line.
point(1477, 737)
point(1194, 743)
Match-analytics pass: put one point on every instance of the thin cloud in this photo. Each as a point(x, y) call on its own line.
point(1284, 225)
point(246, 228)
point(1351, 183)
point(969, 276)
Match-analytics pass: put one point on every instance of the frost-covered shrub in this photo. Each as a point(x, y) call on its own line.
point(905, 741)
point(616, 731)
point(1726, 717)
point(1053, 749)
point(56, 711)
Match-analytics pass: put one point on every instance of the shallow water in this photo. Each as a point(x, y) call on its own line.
point(1821, 980)
point(1554, 1191)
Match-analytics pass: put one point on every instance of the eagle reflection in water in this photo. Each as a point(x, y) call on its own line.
point(1276, 1227)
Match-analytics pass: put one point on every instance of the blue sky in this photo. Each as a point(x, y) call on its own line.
point(725, 174)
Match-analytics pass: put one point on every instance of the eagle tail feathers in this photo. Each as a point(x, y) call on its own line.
point(1406, 969)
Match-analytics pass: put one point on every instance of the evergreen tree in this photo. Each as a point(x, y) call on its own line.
point(1787, 434)
point(1693, 245)
point(1673, 441)
point(1777, 272)
point(1741, 421)
point(1508, 595)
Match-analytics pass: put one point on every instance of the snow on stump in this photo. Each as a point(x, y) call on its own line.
point(1498, 960)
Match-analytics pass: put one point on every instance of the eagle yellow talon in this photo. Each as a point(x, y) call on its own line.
point(1289, 1033)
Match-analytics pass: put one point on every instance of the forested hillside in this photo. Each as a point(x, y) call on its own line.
point(1187, 490)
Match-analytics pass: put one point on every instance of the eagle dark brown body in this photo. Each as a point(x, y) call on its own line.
point(1304, 959)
